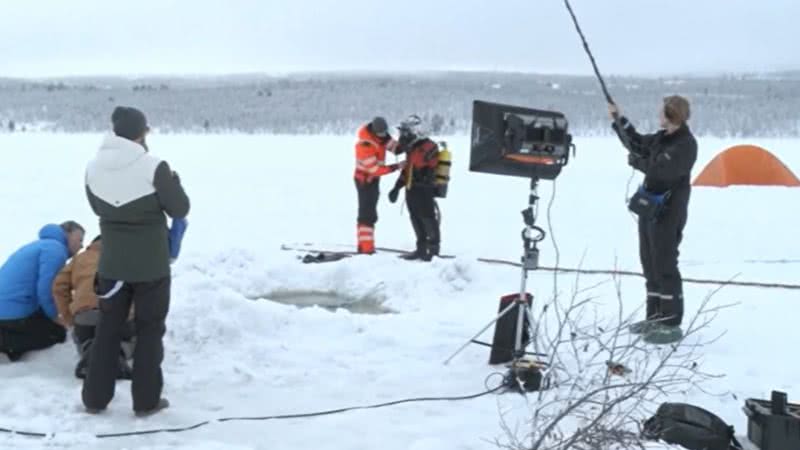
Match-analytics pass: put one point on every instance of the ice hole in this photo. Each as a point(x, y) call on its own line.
point(331, 301)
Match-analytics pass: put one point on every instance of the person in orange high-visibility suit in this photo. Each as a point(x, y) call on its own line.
point(373, 141)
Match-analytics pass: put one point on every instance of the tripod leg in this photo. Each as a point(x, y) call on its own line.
point(522, 301)
point(532, 329)
point(519, 349)
point(499, 316)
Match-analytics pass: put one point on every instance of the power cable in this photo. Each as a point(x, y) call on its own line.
point(504, 385)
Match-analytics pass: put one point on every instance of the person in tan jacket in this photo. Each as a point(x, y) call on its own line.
point(76, 301)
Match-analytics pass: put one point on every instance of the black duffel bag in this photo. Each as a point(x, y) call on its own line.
point(691, 427)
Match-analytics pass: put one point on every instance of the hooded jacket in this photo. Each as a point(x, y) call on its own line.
point(131, 190)
point(27, 276)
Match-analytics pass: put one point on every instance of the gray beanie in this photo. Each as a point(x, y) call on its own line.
point(129, 123)
point(379, 125)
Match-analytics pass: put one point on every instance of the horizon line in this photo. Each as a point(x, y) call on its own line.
point(384, 72)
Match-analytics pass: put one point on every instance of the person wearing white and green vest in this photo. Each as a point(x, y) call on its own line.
point(132, 192)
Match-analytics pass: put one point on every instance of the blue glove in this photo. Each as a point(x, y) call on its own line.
point(176, 232)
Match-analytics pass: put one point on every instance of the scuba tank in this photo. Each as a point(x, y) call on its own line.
point(443, 170)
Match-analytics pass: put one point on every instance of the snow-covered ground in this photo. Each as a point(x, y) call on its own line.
point(232, 352)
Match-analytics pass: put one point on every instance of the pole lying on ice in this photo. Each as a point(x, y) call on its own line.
point(614, 272)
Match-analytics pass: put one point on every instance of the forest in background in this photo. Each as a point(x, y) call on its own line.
point(764, 105)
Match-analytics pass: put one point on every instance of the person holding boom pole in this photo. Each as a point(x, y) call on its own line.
point(666, 159)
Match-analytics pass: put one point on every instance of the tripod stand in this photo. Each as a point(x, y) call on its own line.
point(531, 235)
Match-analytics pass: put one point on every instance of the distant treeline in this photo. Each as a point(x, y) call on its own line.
point(725, 106)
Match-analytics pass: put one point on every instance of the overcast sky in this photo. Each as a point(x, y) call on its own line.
point(133, 37)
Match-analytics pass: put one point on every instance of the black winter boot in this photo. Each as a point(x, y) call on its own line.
point(426, 253)
point(413, 256)
point(82, 368)
point(652, 316)
point(162, 404)
point(125, 371)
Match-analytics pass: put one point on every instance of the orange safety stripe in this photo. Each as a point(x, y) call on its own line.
point(532, 159)
point(366, 239)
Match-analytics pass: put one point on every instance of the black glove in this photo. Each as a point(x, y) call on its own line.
point(404, 141)
point(637, 162)
point(393, 194)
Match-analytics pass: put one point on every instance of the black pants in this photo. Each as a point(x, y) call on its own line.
point(84, 334)
point(658, 250)
point(368, 195)
point(35, 332)
point(152, 304)
point(422, 209)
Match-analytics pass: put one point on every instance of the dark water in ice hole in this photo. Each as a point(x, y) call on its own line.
point(330, 301)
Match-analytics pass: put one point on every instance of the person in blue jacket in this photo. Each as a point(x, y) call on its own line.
point(28, 315)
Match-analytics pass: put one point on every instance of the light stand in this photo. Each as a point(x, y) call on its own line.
point(530, 261)
point(525, 371)
point(533, 144)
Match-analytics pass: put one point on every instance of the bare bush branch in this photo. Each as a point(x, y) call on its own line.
point(602, 379)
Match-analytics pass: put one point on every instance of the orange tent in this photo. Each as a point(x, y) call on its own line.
point(746, 165)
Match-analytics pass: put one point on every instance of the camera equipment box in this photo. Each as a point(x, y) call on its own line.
point(773, 425)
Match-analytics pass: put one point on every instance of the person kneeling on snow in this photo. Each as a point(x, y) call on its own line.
point(76, 300)
point(28, 315)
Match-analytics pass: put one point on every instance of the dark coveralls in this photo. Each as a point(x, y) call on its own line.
point(421, 162)
point(667, 161)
